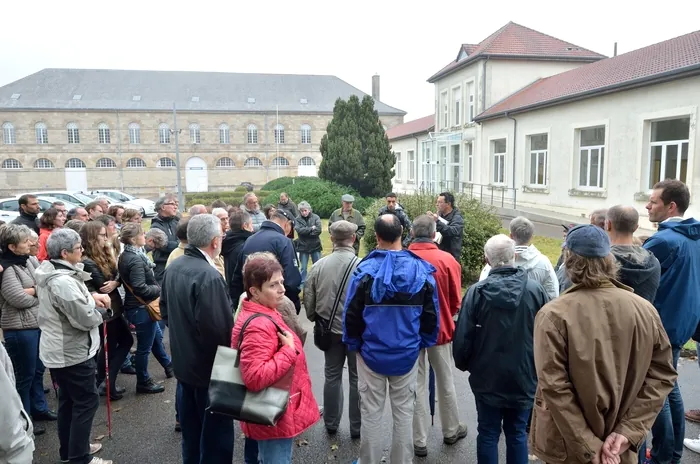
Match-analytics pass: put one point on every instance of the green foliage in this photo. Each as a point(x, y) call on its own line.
point(355, 149)
point(284, 182)
point(241, 189)
point(480, 224)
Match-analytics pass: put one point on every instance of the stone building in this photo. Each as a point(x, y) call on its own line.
point(80, 129)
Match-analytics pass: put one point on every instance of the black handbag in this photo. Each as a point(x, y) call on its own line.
point(323, 336)
point(229, 396)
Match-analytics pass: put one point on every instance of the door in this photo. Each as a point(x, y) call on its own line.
point(196, 176)
point(76, 179)
point(307, 167)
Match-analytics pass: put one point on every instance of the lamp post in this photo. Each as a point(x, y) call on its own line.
point(176, 132)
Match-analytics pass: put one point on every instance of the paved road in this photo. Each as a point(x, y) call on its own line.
point(542, 229)
point(143, 425)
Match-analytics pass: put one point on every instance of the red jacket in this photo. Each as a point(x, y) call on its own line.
point(264, 362)
point(43, 254)
point(448, 276)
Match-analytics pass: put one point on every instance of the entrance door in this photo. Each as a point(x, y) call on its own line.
point(196, 176)
point(76, 179)
point(307, 167)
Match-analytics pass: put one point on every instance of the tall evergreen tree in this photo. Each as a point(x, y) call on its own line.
point(355, 149)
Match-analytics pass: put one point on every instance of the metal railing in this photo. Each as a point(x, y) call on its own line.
point(492, 195)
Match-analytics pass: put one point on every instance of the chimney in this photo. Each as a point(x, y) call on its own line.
point(375, 87)
point(615, 50)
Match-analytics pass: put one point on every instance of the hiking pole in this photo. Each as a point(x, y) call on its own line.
point(107, 383)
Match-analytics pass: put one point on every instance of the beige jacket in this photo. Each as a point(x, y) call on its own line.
point(18, 310)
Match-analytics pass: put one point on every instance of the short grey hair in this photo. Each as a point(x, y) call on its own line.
point(598, 217)
point(424, 227)
point(522, 230)
point(202, 229)
point(14, 234)
point(304, 205)
point(33, 235)
point(198, 209)
point(500, 251)
point(61, 239)
point(623, 219)
point(158, 236)
point(217, 211)
point(162, 200)
point(248, 196)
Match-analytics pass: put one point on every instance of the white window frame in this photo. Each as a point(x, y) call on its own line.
point(471, 101)
point(9, 136)
point(11, 163)
point(44, 163)
point(456, 111)
point(469, 150)
point(134, 134)
point(444, 109)
point(280, 161)
point(411, 157)
point(169, 163)
point(135, 163)
point(253, 162)
point(304, 161)
point(73, 133)
point(75, 163)
point(42, 134)
point(279, 134)
point(306, 134)
point(164, 134)
point(587, 151)
point(498, 160)
point(451, 165)
point(106, 163)
point(538, 153)
point(399, 166)
point(252, 134)
point(224, 134)
point(664, 145)
point(103, 136)
point(195, 134)
point(225, 162)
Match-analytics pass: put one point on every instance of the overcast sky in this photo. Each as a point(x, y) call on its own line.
point(352, 40)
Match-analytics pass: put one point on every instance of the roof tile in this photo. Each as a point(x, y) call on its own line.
point(409, 128)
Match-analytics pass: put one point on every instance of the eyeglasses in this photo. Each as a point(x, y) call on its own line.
point(102, 235)
point(78, 248)
point(170, 203)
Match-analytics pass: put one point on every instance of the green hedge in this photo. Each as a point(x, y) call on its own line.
point(480, 224)
point(282, 183)
point(234, 198)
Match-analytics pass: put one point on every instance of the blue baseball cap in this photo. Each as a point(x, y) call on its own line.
point(588, 241)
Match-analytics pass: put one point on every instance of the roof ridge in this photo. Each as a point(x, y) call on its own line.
point(484, 44)
point(183, 71)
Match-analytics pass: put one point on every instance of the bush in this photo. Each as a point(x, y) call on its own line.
point(480, 224)
point(241, 189)
point(282, 183)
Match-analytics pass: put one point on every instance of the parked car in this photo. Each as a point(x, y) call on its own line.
point(7, 213)
point(81, 199)
point(9, 207)
point(148, 207)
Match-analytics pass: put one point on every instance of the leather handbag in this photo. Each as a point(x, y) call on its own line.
point(153, 307)
point(229, 396)
point(323, 336)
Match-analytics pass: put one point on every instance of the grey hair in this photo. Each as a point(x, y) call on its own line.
point(13, 234)
point(159, 238)
point(304, 205)
point(247, 196)
point(33, 235)
point(623, 219)
point(162, 200)
point(202, 229)
point(598, 217)
point(424, 227)
point(522, 230)
point(500, 251)
point(259, 254)
point(217, 211)
point(198, 209)
point(61, 239)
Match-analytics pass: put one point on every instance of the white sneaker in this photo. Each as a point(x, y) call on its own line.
point(692, 444)
point(96, 460)
point(94, 448)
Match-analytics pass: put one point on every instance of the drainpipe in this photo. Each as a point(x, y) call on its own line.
point(483, 86)
point(415, 162)
point(515, 135)
point(119, 150)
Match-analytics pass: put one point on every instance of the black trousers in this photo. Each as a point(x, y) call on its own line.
point(119, 341)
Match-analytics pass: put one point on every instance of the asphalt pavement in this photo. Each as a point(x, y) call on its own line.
point(542, 229)
point(143, 425)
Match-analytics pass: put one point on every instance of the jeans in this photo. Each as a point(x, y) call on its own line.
point(304, 262)
point(668, 430)
point(490, 420)
point(277, 451)
point(206, 438)
point(119, 341)
point(250, 451)
point(23, 349)
point(149, 339)
point(77, 404)
point(333, 387)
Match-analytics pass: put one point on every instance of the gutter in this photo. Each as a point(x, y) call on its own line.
point(413, 134)
point(483, 87)
point(515, 135)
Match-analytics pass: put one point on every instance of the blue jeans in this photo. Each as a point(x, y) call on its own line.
point(149, 339)
point(668, 430)
point(304, 262)
point(490, 420)
point(277, 451)
point(206, 438)
point(23, 348)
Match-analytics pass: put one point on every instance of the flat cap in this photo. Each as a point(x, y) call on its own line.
point(342, 230)
point(589, 241)
point(347, 198)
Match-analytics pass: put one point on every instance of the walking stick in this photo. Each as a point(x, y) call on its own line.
point(107, 383)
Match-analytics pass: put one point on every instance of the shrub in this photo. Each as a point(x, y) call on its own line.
point(241, 189)
point(480, 224)
point(282, 183)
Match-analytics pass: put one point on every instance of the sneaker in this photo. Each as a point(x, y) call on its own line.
point(94, 448)
point(692, 444)
point(149, 387)
point(420, 451)
point(96, 460)
point(693, 415)
point(169, 371)
point(128, 370)
point(461, 433)
point(39, 430)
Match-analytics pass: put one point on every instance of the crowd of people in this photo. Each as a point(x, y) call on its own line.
point(543, 344)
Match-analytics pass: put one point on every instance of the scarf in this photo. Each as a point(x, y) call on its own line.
point(139, 251)
point(8, 259)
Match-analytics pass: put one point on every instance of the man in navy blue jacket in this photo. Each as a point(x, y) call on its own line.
point(677, 247)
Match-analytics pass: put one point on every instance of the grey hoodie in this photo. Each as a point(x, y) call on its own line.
point(16, 431)
point(538, 268)
point(639, 269)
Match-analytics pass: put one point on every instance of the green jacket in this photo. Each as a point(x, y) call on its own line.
point(356, 218)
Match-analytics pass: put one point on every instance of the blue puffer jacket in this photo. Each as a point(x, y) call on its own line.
point(391, 311)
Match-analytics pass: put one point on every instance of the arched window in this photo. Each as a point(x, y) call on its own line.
point(8, 134)
point(252, 134)
point(224, 134)
point(253, 162)
point(165, 163)
point(194, 134)
point(43, 163)
point(134, 133)
point(42, 134)
point(106, 163)
point(225, 162)
point(164, 134)
point(279, 133)
point(73, 133)
point(280, 161)
point(103, 133)
point(136, 163)
point(11, 163)
point(307, 161)
point(75, 163)
point(305, 133)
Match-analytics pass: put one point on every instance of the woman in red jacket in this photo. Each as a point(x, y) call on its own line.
point(51, 220)
point(267, 356)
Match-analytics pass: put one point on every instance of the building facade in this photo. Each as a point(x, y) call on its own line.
point(407, 140)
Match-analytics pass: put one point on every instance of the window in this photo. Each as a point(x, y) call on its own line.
point(538, 159)
point(8, 134)
point(399, 166)
point(279, 134)
point(411, 165)
point(136, 163)
point(498, 150)
point(75, 163)
point(73, 133)
point(307, 161)
point(280, 161)
point(470, 161)
point(455, 167)
point(668, 158)
point(225, 162)
point(105, 163)
point(43, 163)
point(224, 134)
point(42, 134)
point(471, 101)
point(163, 134)
point(134, 134)
point(11, 163)
point(444, 108)
point(306, 134)
point(103, 133)
point(252, 134)
point(592, 157)
point(194, 134)
point(456, 106)
point(252, 162)
point(165, 163)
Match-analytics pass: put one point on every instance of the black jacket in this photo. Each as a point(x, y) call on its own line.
point(196, 307)
point(231, 247)
point(309, 241)
point(98, 280)
point(493, 337)
point(452, 234)
point(270, 238)
point(29, 220)
point(639, 269)
point(405, 222)
point(160, 256)
point(139, 276)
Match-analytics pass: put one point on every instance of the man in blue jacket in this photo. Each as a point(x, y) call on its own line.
point(391, 313)
point(677, 247)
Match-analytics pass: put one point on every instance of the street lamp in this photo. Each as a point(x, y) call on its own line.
point(174, 131)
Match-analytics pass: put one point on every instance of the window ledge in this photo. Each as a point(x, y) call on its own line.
point(469, 124)
point(641, 196)
point(542, 189)
point(588, 193)
point(498, 187)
